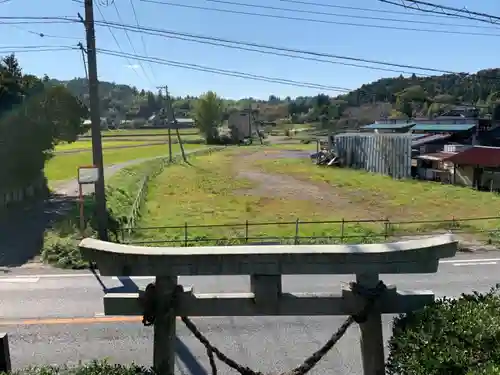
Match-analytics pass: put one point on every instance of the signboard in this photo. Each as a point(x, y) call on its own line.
point(88, 175)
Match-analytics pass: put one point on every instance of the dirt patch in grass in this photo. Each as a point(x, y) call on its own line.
point(273, 184)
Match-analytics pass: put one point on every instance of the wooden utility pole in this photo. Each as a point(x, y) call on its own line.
point(166, 117)
point(95, 118)
point(172, 120)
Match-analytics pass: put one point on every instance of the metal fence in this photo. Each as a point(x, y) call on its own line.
point(388, 154)
point(312, 232)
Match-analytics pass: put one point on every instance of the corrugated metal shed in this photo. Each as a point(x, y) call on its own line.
point(443, 127)
point(377, 125)
point(482, 156)
point(388, 154)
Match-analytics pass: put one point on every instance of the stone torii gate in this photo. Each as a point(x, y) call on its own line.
point(364, 301)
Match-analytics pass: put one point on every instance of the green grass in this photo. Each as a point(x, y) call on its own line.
point(106, 143)
point(108, 133)
point(64, 166)
point(379, 196)
point(210, 191)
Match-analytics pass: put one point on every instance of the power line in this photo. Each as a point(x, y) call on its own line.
point(116, 41)
point(432, 8)
point(131, 44)
point(385, 19)
point(10, 50)
point(230, 73)
point(42, 35)
point(372, 10)
point(162, 32)
point(142, 36)
point(385, 27)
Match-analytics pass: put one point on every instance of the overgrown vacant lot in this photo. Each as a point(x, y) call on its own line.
point(280, 184)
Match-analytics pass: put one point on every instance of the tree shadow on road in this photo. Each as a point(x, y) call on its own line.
point(22, 228)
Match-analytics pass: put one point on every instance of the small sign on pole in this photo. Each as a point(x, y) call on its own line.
point(86, 175)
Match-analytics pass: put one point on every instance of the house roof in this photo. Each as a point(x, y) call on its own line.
point(428, 138)
point(376, 125)
point(478, 155)
point(438, 156)
point(443, 127)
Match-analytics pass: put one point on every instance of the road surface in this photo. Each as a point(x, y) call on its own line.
point(57, 319)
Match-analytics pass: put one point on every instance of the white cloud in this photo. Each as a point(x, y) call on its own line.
point(134, 66)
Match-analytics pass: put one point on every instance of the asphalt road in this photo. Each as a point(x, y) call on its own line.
point(57, 319)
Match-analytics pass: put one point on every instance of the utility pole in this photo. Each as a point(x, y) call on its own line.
point(173, 120)
point(165, 115)
point(95, 118)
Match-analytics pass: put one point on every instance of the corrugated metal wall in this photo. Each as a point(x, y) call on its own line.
point(388, 154)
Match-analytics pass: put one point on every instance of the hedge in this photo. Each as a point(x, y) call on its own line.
point(93, 368)
point(456, 337)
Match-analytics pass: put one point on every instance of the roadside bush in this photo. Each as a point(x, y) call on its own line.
point(448, 337)
point(60, 247)
point(93, 368)
point(61, 250)
point(489, 369)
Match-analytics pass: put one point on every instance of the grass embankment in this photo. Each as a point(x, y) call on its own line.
point(374, 196)
point(213, 190)
point(64, 166)
point(60, 244)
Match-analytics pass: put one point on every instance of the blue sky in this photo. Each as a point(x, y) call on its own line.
point(438, 50)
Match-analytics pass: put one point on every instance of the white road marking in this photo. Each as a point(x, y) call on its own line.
point(445, 261)
point(474, 264)
point(20, 280)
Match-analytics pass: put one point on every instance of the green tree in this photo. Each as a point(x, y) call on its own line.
point(208, 114)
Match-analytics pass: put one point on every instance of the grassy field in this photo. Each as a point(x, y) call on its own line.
point(421, 205)
point(241, 184)
point(132, 132)
point(64, 166)
point(87, 144)
point(216, 190)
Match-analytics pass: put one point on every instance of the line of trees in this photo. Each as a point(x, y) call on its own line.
point(34, 117)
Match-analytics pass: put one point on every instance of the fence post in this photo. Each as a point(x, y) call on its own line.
point(296, 242)
point(342, 225)
point(386, 228)
point(246, 231)
point(185, 233)
point(5, 365)
point(164, 327)
point(372, 340)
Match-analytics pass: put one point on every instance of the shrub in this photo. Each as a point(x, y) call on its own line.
point(448, 337)
point(93, 368)
point(61, 250)
point(489, 369)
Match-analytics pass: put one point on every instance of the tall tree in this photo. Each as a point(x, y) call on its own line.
point(208, 114)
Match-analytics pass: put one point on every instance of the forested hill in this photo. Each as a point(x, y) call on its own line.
point(464, 88)
point(390, 96)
